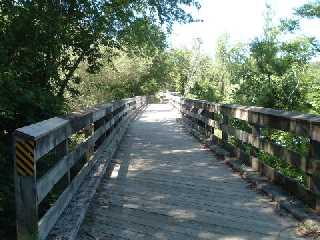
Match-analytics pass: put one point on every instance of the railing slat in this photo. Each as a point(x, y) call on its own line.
point(47, 181)
point(299, 124)
point(40, 129)
point(49, 135)
point(50, 218)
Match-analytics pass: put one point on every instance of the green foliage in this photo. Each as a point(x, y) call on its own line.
point(283, 167)
point(274, 73)
point(313, 95)
point(289, 25)
point(240, 124)
point(181, 68)
point(309, 10)
point(42, 43)
point(298, 144)
point(50, 49)
point(272, 161)
point(128, 76)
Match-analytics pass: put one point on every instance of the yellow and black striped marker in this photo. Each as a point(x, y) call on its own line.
point(24, 157)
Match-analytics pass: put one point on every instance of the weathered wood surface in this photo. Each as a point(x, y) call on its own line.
point(69, 222)
point(166, 186)
point(34, 141)
point(204, 117)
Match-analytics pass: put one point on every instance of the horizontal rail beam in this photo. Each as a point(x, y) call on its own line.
point(200, 116)
point(36, 141)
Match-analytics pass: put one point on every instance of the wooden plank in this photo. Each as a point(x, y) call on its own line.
point(314, 180)
point(38, 130)
point(287, 183)
point(53, 134)
point(61, 151)
point(160, 211)
point(26, 208)
point(50, 218)
point(291, 157)
point(287, 155)
point(47, 181)
point(101, 111)
point(49, 133)
point(76, 218)
point(80, 120)
point(297, 123)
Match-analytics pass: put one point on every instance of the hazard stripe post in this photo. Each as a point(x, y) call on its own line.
point(25, 182)
point(24, 157)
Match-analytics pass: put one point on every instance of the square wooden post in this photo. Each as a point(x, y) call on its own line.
point(314, 166)
point(60, 151)
point(225, 122)
point(25, 188)
point(255, 164)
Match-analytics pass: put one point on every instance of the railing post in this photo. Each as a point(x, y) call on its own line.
point(88, 132)
point(256, 132)
point(212, 117)
point(61, 150)
point(206, 127)
point(25, 189)
point(225, 122)
point(314, 164)
point(96, 125)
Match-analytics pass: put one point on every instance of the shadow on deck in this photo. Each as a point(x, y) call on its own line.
point(166, 185)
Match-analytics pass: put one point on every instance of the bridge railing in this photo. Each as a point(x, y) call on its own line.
point(103, 125)
point(209, 118)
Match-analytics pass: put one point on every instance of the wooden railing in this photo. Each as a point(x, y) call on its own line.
point(208, 118)
point(103, 127)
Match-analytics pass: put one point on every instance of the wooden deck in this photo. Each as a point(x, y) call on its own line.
point(165, 185)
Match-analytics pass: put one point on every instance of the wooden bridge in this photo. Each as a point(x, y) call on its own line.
point(154, 180)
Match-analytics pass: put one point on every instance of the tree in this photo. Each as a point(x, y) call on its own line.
point(309, 10)
point(180, 61)
point(42, 44)
point(274, 73)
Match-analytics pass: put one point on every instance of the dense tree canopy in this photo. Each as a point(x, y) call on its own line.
point(42, 44)
point(310, 10)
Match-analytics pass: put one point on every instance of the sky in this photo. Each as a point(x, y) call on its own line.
point(242, 20)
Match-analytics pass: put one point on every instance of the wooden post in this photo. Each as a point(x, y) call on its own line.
point(96, 126)
point(212, 129)
point(255, 164)
point(314, 165)
point(88, 132)
point(25, 189)
point(60, 151)
point(225, 122)
point(256, 131)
